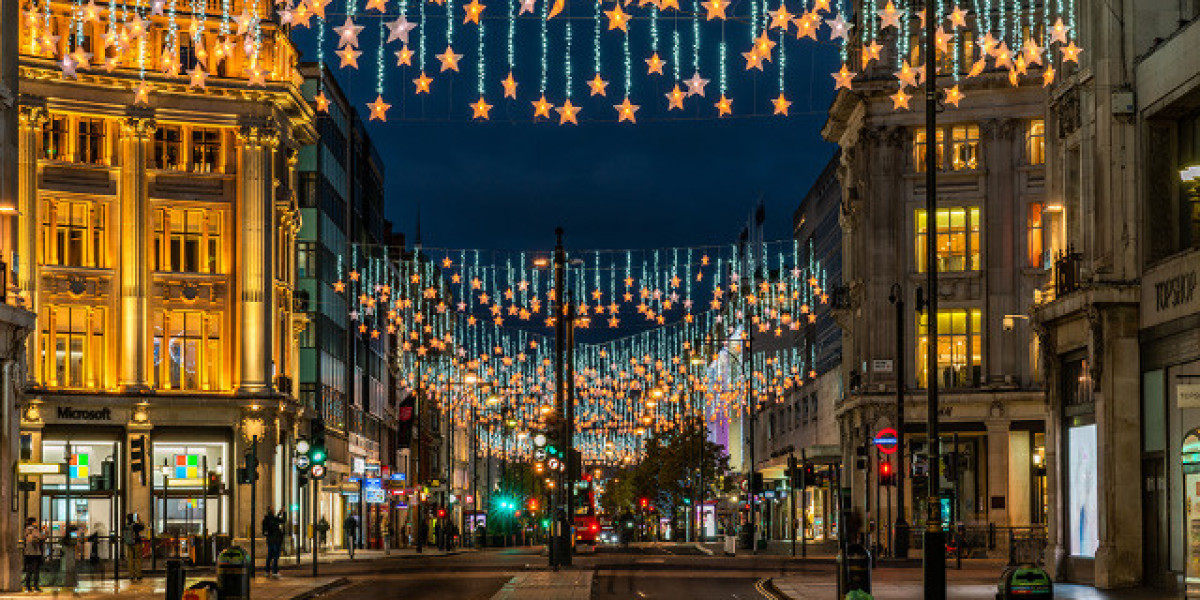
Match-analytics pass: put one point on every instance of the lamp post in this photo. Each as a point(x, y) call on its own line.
point(900, 528)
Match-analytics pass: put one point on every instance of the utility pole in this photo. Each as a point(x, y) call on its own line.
point(748, 334)
point(560, 342)
point(316, 535)
point(935, 543)
point(569, 426)
point(900, 529)
point(803, 503)
point(415, 444)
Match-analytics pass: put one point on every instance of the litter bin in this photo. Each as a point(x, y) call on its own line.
point(730, 545)
point(1026, 581)
point(233, 573)
point(855, 569)
point(175, 578)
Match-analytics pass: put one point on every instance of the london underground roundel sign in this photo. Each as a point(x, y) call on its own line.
point(886, 440)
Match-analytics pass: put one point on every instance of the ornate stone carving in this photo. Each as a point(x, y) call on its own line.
point(1067, 110)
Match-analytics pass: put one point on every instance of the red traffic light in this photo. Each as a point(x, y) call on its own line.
point(644, 502)
point(441, 513)
point(885, 468)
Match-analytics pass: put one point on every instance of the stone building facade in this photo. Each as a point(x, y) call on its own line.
point(992, 227)
point(156, 245)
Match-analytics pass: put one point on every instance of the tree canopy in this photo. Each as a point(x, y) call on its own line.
point(669, 475)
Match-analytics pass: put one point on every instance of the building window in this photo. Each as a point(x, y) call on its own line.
point(961, 142)
point(73, 233)
point(187, 240)
point(187, 350)
point(55, 145)
point(73, 348)
point(168, 147)
point(206, 150)
point(89, 141)
point(957, 239)
point(1035, 142)
point(959, 348)
point(1034, 230)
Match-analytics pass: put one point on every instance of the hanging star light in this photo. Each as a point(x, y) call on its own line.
point(449, 59)
point(378, 109)
point(871, 52)
point(617, 19)
point(900, 100)
point(322, 102)
point(598, 85)
point(763, 45)
point(567, 113)
point(675, 98)
point(141, 95)
point(626, 111)
point(528, 6)
point(954, 96)
point(68, 64)
point(1032, 52)
point(807, 25)
point(91, 12)
point(510, 86)
point(196, 77)
point(696, 85)
point(715, 9)
point(82, 59)
point(1070, 52)
point(958, 18)
point(1058, 32)
point(781, 18)
point(654, 65)
point(481, 109)
point(422, 83)
point(889, 16)
point(843, 79)
point(404, 57)
point(724, 106)
point(838, 28)
point(541, 108)
point(349, 57)
point(399, 29)
point(472, 12)
point(377, 5)
point(781, 105)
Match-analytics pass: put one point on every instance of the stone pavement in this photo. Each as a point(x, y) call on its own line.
point(566, 584)
point(284, 588)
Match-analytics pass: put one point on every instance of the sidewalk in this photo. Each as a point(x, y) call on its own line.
point(288, 561)
point(548, 585)
point(286, 588)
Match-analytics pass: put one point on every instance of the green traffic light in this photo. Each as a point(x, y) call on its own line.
point(318, 456)
point(551, 449)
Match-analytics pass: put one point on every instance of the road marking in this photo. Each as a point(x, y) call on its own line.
point(761, 586)
point(650, 561)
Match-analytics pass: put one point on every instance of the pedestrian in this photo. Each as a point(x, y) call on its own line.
point(33, 539)
point(350, 529)
point(133, 543)
point(94, 546)
point(385, 532)
point(322, 530)
point(272, 526)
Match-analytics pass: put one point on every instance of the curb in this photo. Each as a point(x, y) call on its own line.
point(702, 548)
point(767, 588)
point(321, 589)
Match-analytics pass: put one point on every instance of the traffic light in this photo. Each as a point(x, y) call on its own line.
point(441, 513)
point(756, 483)
point(887, 475)
point(137, 456)
point(533, 505)
point(644, 502)
point(213, 483)
point(316, 449)
point(793, 473)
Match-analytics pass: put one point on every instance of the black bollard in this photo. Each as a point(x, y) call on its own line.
point(175, 577)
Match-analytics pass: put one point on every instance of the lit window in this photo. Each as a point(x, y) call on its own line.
point(73, 347)
point(1035, 228)
point(73, 233)
point(206, 150)
point(187, 350)
point(957, 239)
point(1035, 142)
point(187, 240)
point(960, 142)
point(168, 147)
point(54, 138)
point(89, 141)
point(959, 348)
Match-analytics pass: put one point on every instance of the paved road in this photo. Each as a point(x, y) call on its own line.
point(417, 586)
point(675, 585)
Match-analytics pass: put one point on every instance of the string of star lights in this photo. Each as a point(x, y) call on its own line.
point(1026, 42)
point(453, 315)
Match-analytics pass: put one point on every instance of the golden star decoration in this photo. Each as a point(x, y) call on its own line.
point(567, 113)
point(780, 19)
point(781, 105)
point(322, 102)
point(1070, 52)
point(617, 19)
point(715, 9)
point(954, 96)
point(900, 100)
point(844, 78)
point(449, 59)
point(510, 86)
point(141, 95)
point(675, 98)
point(1048, 76)
point(654, 65)
point(753, 60)
point(626, 111)
point(764, 45)
point(378, 109)
point(379, 5)
point(541, 108)
point(599, 86)
point(473, 10)
point(349, 57)
point(422, 83)
point(958, 18)
point(871, 52)
point(481, 109)
point(404, 57)
point(724, 106)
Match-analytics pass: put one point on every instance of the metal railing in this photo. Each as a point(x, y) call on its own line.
point(1022, 544)
point(1067, 277)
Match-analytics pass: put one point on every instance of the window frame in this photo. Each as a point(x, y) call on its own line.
point(162, 145)
point(209, 351)
point(56, 250)
point(90, 145)
point(953, 141)
point(971, 233)
point(971, 336)
point(58, 372)
point(1035, 142)
point(169, 246)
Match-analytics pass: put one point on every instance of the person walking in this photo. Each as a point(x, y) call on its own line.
point(33, 539)
point(133, 543)
point(322, 531)
point(385, 532)
point(272, 526)
point(350, 529)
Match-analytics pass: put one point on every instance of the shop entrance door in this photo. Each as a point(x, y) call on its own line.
point(1154, 553)
point(1190, 460)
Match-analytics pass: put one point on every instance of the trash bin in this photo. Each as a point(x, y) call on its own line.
point(855, 569)
point(1026, 581)
point(233, 573)
point(730, 545)
point(175, 579)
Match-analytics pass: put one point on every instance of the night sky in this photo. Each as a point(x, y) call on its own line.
point(673, 179)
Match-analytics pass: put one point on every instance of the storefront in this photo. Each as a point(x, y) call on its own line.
point(82, 496)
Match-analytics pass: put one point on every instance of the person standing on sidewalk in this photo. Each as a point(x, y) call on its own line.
point(385, 532)
point(133, 543)
point(33, 538)
point(350, 527)
point(272, 526)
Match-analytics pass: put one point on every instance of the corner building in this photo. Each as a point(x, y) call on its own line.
point(995, 228)
point(156, 243)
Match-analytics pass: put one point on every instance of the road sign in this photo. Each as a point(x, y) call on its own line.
point(886, 440)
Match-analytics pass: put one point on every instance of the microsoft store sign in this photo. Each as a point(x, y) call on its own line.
point(70, 413)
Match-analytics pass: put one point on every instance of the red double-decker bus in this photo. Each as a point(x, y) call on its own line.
point(586, 521)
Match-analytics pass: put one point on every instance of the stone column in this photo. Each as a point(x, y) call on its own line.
point(257, 141)
point(997, 469)
point(31, 120)
point(132, 194)
point(1020, 465)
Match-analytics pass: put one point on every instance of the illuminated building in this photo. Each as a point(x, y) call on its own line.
point(156, 246)
point(995, 228)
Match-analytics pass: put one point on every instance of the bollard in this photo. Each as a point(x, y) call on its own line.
point(856, 568)
point(175, 577)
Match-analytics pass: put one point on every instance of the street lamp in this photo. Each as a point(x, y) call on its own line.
point(900, 527)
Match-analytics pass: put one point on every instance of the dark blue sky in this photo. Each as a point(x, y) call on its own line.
point(666, 181)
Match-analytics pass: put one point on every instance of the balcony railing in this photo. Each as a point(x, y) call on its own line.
point(1067, 277)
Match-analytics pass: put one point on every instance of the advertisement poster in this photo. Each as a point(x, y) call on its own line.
point(1083, 535)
